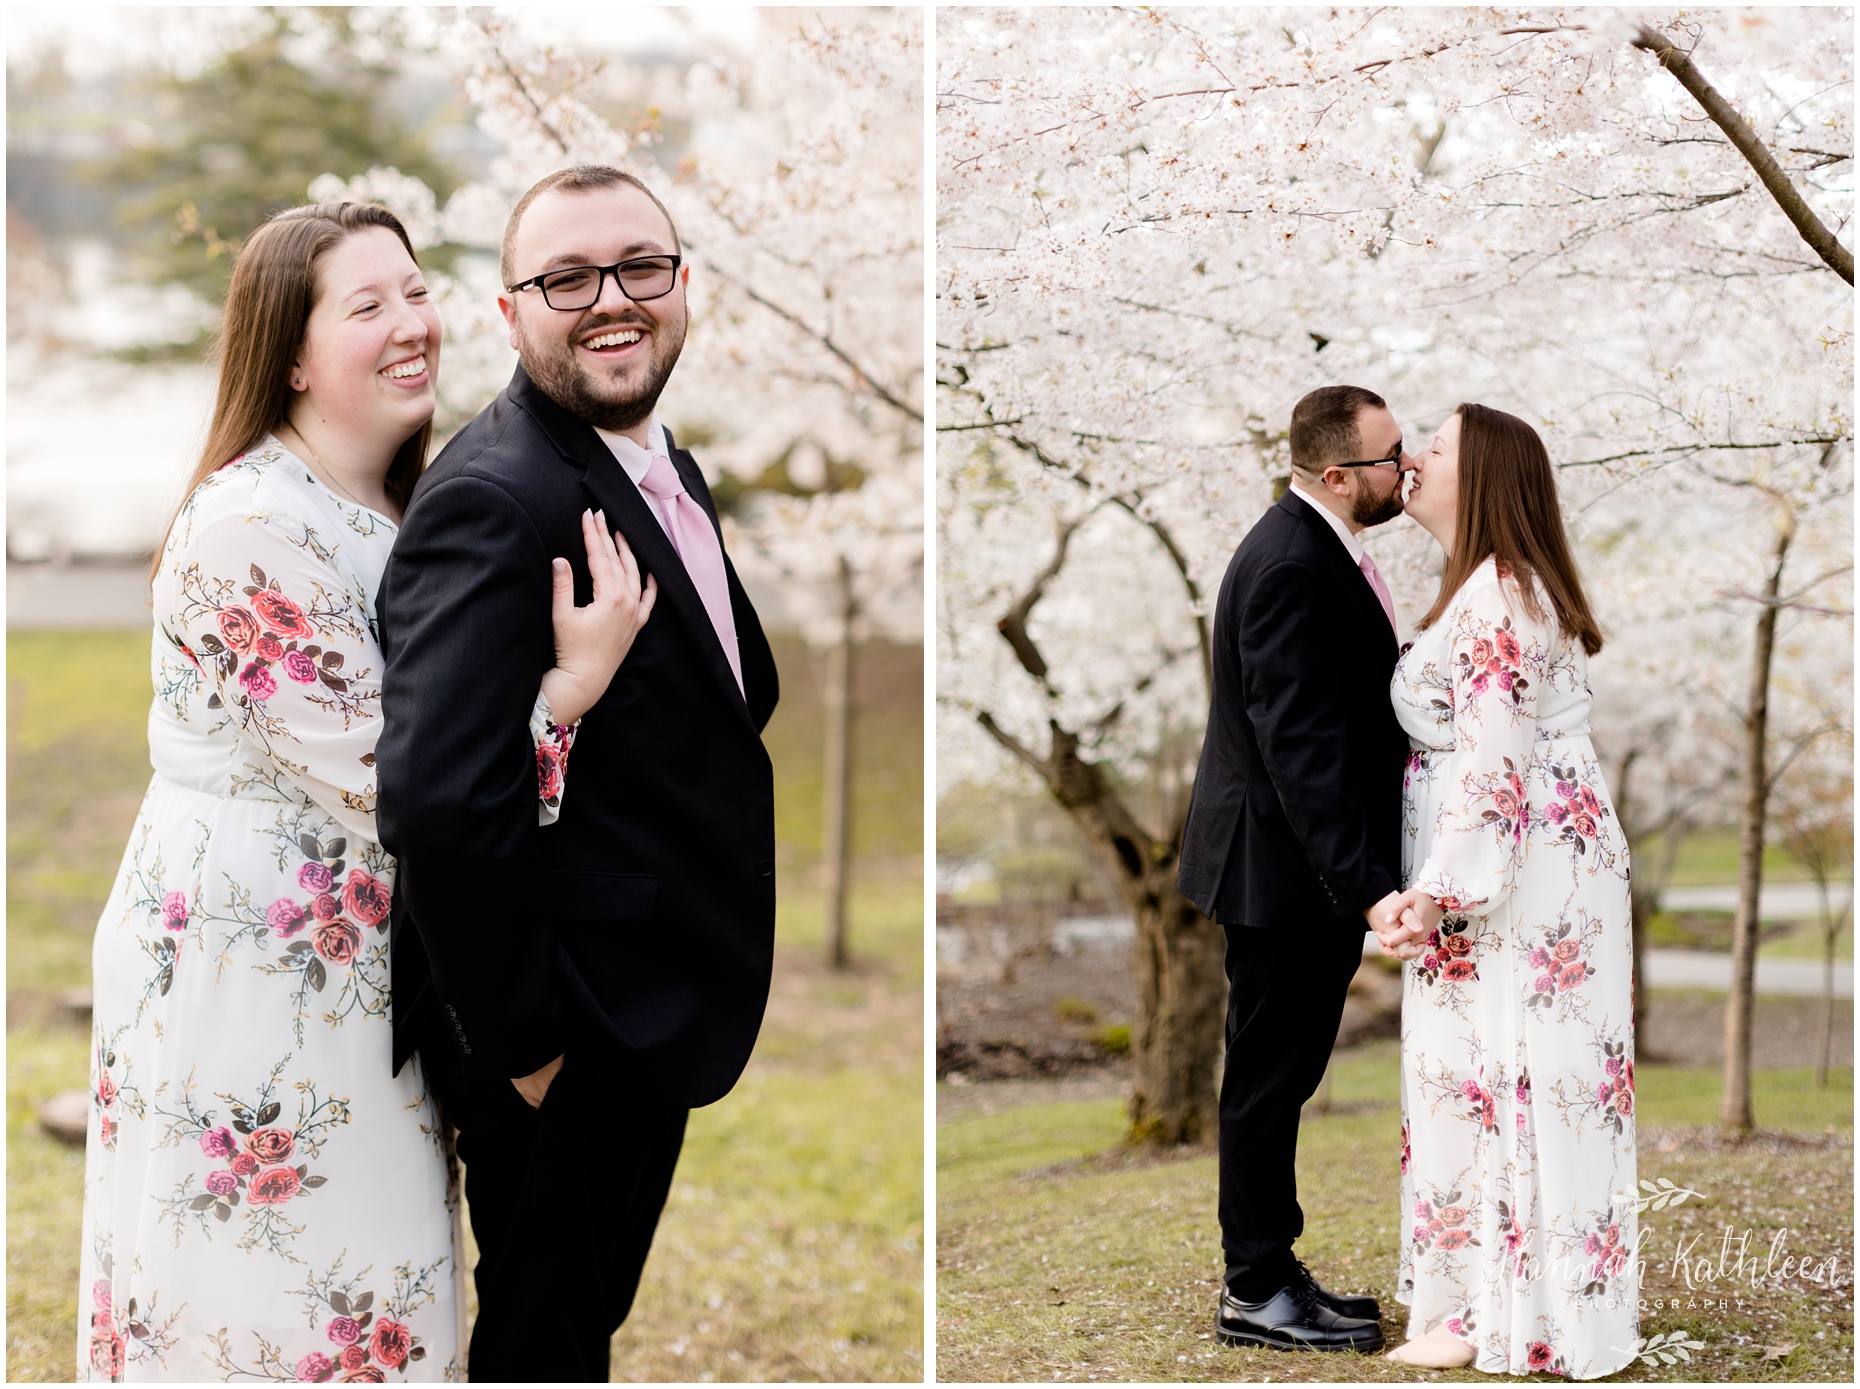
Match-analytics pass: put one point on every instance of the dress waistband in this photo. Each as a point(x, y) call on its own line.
point(1543, 736)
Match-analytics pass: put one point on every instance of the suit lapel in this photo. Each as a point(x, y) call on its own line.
point(614, 492)
point(1352, 577)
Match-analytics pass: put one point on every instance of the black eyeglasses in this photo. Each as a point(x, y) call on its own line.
point(579, 286)
point(1372, 462)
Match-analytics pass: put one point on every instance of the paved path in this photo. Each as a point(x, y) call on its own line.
point(102, 594)
point(1707, 969)
point(1779, 902)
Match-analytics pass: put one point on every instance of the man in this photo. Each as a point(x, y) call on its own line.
point(574, 990)
point(1293, 839)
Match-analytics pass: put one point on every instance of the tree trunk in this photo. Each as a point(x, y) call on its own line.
point(1640, 907)
point(1831, 924)
point(1736, 1114)
point(1180, 956)
point(1177, 1036)
point(836, 792)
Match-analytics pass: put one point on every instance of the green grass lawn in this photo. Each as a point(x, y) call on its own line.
point(1062, 1257)
point(791, 1248)
point(1710, 856)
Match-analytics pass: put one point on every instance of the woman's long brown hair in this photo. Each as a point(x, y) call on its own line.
point(268, 308)
point(1508, 510)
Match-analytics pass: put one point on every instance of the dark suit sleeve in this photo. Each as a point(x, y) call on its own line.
point(467, 634)
point(1295, 698)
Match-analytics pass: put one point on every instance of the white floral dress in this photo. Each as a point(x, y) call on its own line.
point(262, 1199)
point(1517, 1080)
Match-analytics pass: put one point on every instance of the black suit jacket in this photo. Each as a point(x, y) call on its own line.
point(639, 927)
point(1296, 811)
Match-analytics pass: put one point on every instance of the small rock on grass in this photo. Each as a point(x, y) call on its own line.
point(66, 1116)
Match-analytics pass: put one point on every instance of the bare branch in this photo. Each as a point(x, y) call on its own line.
point(1013, 626)
point(864, 378)
point(1180, 561)
point(1726, 445)
point(1813, 230)
point(1007, 740)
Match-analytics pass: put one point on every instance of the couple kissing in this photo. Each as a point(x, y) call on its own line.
point(1445, 795)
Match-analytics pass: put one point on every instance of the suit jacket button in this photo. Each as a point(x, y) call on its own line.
point(766, 868)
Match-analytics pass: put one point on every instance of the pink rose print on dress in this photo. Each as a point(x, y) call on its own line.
point(281, 615)
point(239, 629)
point(285, 917)
point(269, 647)
point(314, 1368)
point(222, 1183)
point(242, 1164)
point(258, 682)
point(1540, 1355)
point(273, 1186)
point(366, 897)
point(300, 667)
point(218, 1143)
point(353, 1358)
point(174, 911)
point(271, 1145)
point(345, 1331)
point(324, 907)
point(391, 1342)
point(336, 941)
point(315, 877)
point(106, 1353)
point(549, 761)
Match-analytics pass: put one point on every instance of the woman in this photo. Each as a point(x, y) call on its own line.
point(1518, 1175)
point(262, 1198)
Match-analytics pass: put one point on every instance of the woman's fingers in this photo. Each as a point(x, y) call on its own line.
point(629, 567)
point(602, 566)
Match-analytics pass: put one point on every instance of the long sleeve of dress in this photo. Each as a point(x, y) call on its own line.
point(1499, 653)
point(285, 644)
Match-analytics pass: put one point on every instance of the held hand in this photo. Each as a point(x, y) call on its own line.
point(1420, 914)
point(591, 642)
point(535, 1085)
point(1394, 934)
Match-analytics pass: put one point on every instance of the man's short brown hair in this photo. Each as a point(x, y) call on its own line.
point(575, 179)
point(1324, 429)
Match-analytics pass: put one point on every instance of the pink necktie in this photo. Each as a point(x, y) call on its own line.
point(1381, 590)
point(696, 542)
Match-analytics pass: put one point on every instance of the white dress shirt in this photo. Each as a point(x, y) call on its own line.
point(635, 460)
point(1331, 518)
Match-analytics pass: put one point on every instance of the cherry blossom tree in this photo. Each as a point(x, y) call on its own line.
point(799, 204)
point(1158, 229)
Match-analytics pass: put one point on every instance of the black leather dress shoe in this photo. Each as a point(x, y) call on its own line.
point(1343, 1304)
point(1294, 1318)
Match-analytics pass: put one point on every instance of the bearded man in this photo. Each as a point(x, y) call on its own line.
point(574, 989)
point(1293, 840)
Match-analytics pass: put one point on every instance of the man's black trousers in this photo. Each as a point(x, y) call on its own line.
point(564, 1201)
point(1285, 993)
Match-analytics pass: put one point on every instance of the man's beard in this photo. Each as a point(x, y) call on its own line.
point(569, 384)
point(1370, 510)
